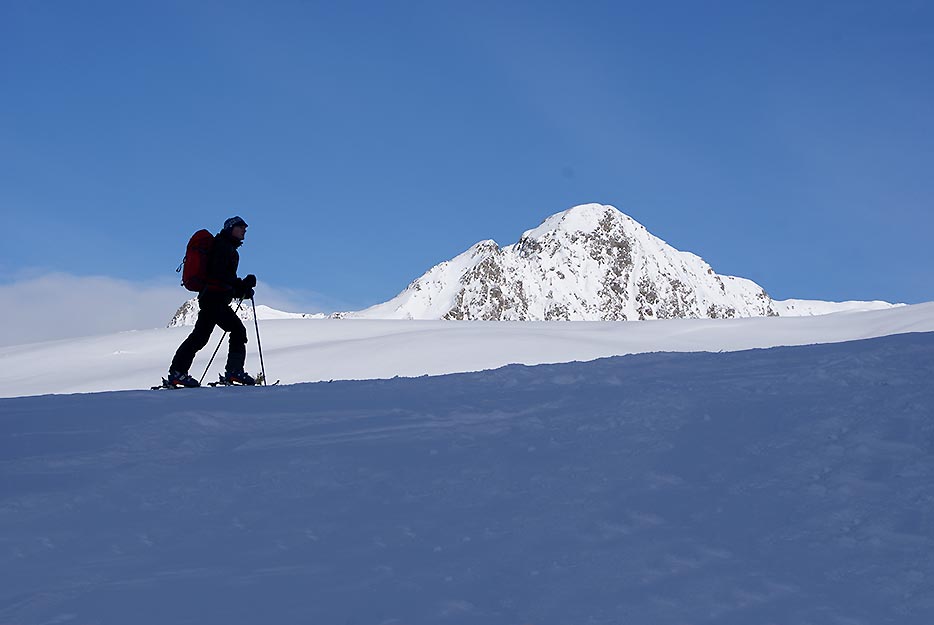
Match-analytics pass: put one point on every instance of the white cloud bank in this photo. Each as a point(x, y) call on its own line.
point(61, 305)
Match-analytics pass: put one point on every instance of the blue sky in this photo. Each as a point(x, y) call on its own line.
point(790, 143)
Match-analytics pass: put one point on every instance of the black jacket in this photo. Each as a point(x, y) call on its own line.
point(222, 277)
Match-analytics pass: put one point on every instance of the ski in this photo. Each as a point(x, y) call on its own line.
point(259, 382)
point(166, 386)
point(222, 384)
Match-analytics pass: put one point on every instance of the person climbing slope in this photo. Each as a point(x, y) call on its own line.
point(220, 287)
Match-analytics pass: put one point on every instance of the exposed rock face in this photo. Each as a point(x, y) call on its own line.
point(186, 315)
point(591, 262)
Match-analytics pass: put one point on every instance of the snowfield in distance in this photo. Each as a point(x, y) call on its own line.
point(309, 350)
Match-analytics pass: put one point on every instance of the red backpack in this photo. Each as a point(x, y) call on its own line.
point(194, 267)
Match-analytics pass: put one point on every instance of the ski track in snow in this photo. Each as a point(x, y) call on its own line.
point(785, 486)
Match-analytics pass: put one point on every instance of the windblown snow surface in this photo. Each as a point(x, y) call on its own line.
point(785, 486)
point(312, 350)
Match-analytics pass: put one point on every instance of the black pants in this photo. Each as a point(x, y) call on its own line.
point(215, 311)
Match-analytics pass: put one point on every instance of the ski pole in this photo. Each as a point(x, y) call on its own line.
point(259, 345)
point(239, 304)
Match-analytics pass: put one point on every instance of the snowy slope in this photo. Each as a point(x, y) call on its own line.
point(790, 486)
point(803, 307)
point(307, 350)
point(588, 263)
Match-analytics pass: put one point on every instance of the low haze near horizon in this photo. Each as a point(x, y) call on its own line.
point(365, 142)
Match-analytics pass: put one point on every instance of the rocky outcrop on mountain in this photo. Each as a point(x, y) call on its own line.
point(187, 313)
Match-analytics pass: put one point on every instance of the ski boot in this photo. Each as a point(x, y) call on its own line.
point(238, 378)
point(181, 378)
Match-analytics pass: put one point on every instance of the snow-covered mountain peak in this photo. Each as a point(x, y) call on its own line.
point(602, 232)
point(583, 219)
point(482, 248)
point(589, 262)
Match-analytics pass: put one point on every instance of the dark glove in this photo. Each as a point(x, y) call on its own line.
point(247, 294)
point(249, 282)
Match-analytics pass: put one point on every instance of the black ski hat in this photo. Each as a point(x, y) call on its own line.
point(233, 222)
